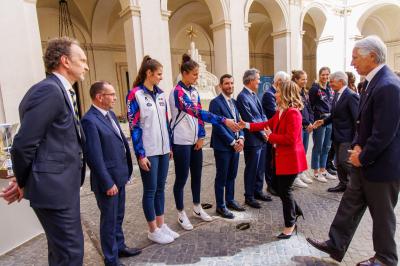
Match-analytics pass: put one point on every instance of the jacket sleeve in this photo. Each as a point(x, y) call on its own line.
point(269, 104)
point(94, 155)
point(386, 122)
point(245, 112)
point(185, 104)
point(258, 126)
point(292, 132)
point(353, 106)
point(202, 131)
point(35, 120)
point(218, 129)
point(134, 124)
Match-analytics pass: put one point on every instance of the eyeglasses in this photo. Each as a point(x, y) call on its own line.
point(109, 94)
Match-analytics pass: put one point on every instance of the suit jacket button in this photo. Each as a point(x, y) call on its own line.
point(358, 122)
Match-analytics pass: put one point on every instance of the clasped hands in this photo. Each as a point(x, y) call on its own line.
point(12, 192)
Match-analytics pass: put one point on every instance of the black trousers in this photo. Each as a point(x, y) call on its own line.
point(381, 199)
point(342, 164)
point(64, 235)
point(290, 207)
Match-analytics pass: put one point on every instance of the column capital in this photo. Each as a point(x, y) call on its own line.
point(280, 34)
point(356, 37)
point(247, 26)
point(165, 14)
point(223, 24)
point(130, 11)
point(30, 1)
point(325, 39)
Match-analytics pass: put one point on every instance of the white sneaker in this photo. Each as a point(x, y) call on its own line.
point(303, 176)
point(320, 178)
point(299, 183)
point(167, 231)
point(329, 176)
point(159, 237)
point(200, 213)
point(183, 220)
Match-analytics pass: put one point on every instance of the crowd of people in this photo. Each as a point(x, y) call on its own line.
point(358, 128)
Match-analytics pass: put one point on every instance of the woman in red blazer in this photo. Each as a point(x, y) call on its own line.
point(284, 132)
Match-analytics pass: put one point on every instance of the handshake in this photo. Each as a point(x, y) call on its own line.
point(235, 127)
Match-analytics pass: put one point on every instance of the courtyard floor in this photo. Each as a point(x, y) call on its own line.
point(217, 242)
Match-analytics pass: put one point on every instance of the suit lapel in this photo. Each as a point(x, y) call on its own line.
point(78, 128)
point(370, 88)
point(222, 99)
point(103, 119)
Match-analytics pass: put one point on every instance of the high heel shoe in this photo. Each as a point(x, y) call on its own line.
point(297, 217)
point(284, 236)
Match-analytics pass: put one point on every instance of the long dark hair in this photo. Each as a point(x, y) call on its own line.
point(147, 63)
point(188, 64)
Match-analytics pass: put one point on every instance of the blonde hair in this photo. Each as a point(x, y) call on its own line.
point(290, 96)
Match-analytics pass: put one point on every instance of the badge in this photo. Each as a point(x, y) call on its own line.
point(149, 104)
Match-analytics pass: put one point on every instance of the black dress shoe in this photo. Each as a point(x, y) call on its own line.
point(284, 236)
point(263, 197)
point(129, 252)
point(323, 246)
point(331, 171)
point(338, 188)
point(225, 213)
point(234, 206)
point(271, 191)
point(253, 203)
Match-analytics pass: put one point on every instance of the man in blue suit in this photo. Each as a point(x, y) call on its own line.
point(343, 118)
point(110, 163)
point(227, 146)
point(250, 110)
point(47, 152)
point(375, 180)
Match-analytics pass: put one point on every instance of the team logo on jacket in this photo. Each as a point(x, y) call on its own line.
point(161, 101)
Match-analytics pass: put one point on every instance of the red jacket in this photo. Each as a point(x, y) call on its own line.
point(290, 157)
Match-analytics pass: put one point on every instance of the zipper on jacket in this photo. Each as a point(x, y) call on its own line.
point(159, 123)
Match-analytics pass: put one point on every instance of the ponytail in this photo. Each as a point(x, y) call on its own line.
point(148, 63)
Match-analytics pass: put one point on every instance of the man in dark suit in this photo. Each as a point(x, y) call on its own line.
point(250, 110)
point(47, 151)
point(269, 106)
point(227, 146)
point(109, 159)
point(375, 179)
point(343, 118)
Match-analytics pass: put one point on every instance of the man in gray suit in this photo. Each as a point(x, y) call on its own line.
point(47, 152)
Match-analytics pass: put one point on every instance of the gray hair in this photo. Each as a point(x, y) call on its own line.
point(250, 75)
point(339, 76)
point(281, 75)
point(372, 44)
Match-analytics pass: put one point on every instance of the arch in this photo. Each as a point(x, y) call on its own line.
point(218, 9)
point(100, 21)
point(199, 29)
point(371, 8)
point(318, 13)
point(277, 10)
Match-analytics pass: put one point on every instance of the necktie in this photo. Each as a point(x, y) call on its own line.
point(76, 112)
point(232, 107)
point(113, 124)
point(75, 105)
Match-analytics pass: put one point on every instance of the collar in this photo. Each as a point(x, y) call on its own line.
point(101, 110)
point(226, 97)
point(373, 72)
point(342, 90)
point(251, 92)
point(63, 80)
point(190, 88)
point(156, 90)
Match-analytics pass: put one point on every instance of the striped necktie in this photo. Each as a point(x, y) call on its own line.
point(76, 112)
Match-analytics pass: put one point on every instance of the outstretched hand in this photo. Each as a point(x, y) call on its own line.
point(242, 124)
point(232, 125)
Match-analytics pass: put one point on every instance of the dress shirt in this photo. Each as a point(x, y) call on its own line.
point(229, 99)
point(66, 86)
point(372, 74)
point(340, 92)
point(108, 116)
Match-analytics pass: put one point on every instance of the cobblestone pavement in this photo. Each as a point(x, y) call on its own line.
point(217, 242)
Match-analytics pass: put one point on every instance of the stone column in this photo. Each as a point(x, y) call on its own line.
point(133, 39)
point(296, 44)
point(21, 66)
point(281, 50)
point(222, 47)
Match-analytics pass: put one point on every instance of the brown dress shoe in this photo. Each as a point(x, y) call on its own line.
point(323, 246)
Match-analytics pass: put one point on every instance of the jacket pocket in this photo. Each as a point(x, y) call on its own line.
point(49, 167)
